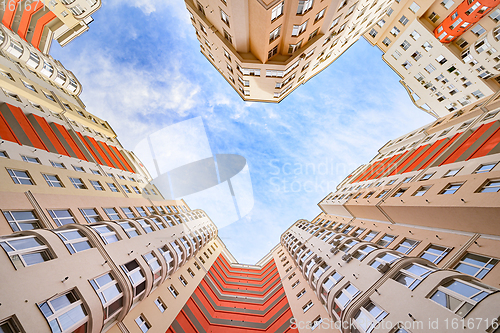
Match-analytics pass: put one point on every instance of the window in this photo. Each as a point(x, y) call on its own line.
point(62, 217)
point(277, 11)
point(270, 54)
point(358, 232)
point(490, 186)
point(386, 240)
point(25, 251)
point(429, 68)
point(57, 165)
point(451, 173)
point(183, 280)
point(307, 306)
point(435, 253)
point(369, 236)
point(399, 192)
point(383, 259)
point(405, 45)
point(478, 94)
point(447, 3)
point(313, 34)
point(414, 7)
point(304, 6)
point(368, 317)
point(65, 313)
point(110, 294)
point(320, 15)
point(415, 35)
point(173, 291)
point(295, 284)
point(478, 30)
point(416, 55)
point(475, 265)
point(495, 15)
point(274, 34)
point(160, 305)
point(97, 185)
point(112, 213)
point(344, 298)
point(155, 267)
point(483, 168)
point(20, 177)
point(22, 220)
point(90, 215)
point(7, 75)
point(451, 188)
point(427, 176)
point(294, 47)
point(77, 183)
point(49, 96)
point(386, 41)
point(301, 293)
point(421, 191)
point(363, 251)
point(335, 22)
point(373, 33)
point(406, 246)
point(298, 29)
point(142, 323)
point(395, 31)
point(30, 159)
point(224, 17)
point(146, 225)
point(403, 20)
point(136, 277)
point(427, 46)
point(459, 296)
point(412, 275)
point(112, 187)
point(126, 189)
point(227, 36)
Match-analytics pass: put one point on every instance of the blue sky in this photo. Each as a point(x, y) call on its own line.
point(142, 70)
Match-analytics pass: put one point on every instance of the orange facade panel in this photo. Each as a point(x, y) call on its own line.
point(467, 143)
point(10, 8)
point(29, 11)
point(40, 25)
point(121, 158)
point(65, 134)
point(44, 125)
point(6, 133)
point(487, 146)
point(26, 126)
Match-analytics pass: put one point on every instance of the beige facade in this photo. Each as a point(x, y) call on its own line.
point(40, 22)
point(267, 49)
point(439, 77)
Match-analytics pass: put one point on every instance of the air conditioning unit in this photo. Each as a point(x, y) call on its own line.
point(383, 268)
point(334, 250)
point(347, 257)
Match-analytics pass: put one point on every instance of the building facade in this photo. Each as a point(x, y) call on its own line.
point(408, 242)
point(266, 49)
point(445, 52)
point(40, 22)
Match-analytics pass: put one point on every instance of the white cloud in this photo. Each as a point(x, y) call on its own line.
point(174, 7)
point(129, 97)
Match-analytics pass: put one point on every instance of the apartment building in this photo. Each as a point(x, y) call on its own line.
point(265, 49)
point(445, 52)
point(40, 22)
